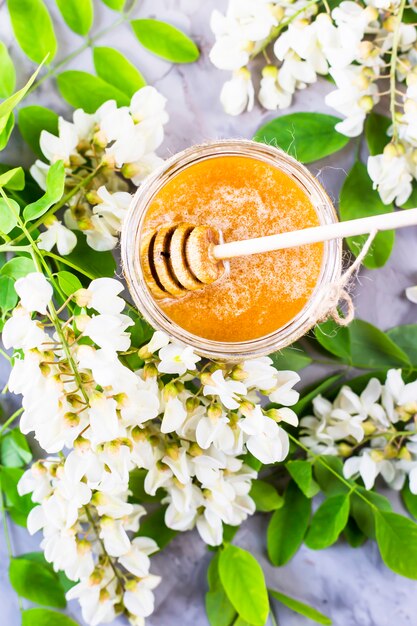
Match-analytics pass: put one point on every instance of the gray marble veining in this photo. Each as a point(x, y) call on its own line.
point(351, 586)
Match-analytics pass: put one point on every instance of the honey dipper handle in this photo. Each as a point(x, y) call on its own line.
point(361, 226)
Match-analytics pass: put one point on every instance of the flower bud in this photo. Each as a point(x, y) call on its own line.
point(143, 353)
point(150, 371)
point(368, 427)
point(179, 386)
point(238, 373)
point(377, 455)
point(205, 378)
point(170, 391)
point(92, 197)
point(129, 170)
point(214, 411)
point(404, 454)
point(82, 297)
point(38, 469)
point(71, 419)
point(173, 451)
point(366, 103)
point(390, 452)
point(365, 49)
point(394, 149)
point(45, 369)
point(96, 576)
point(75, 401)
point(246, 407)
point(344, 449)
point(138, 434)
point(371, 13)
point(100, 139)
point(195, 450)
point(191, 404)
point(82, 444)
point(390, 23)
point(104, 595)
point(277, 11)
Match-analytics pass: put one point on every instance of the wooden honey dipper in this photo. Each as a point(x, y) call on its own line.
point(182, 257)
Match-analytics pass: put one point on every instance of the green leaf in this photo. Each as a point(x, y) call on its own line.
point(292, 358)
point(220, 611)
point(300, 607)
point(153, 526)
point(113, 67)
point(363, 513)
point(328, 522)
point(45, 617)
point(55, 185)
point(8, 105)
point(405, 337)
point(335, 339)
point(14, 178)
point(86, 91)
point(77, 14)
point(32, 120)
point(373, 349)
point(165, 41)
point(116, 5)
point(7, 73)
point(37, 582)
point(265, 496)
point(396, 537)
point(244, 583)
point(318, 388)
point(18, 506)
point(7, 130)
point(305, 136)
point(302, 473)
point(359, 199)
point(96, 264)
point(326, 478)
point(8, 295)
point(8, 217)
point(410, 500)
point(33, 28)
point(376, 127)
point(68, 282)
point(18, 267)
point(288, 526)
point(353, 534)
point(14, 449)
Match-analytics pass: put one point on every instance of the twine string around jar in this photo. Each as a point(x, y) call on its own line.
point(337, 293)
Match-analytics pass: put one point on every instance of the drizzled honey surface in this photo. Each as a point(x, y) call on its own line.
point(245, 198)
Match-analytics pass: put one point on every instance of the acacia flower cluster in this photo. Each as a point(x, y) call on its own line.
point(357, 45)
point(375, 432)
point(114, 147)
point(187, 422)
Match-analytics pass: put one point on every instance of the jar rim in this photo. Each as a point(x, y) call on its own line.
point(131, 232)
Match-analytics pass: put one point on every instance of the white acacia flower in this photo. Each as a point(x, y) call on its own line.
point(56, 234)
point(113, 207)
point(116, 540)
point(369, 466)
point(238, 94)
point(177, 359)
point(252, 18)
point(366, 405)
point(140, 169)
point(138, 597)
point(271, 95)
point(101, 236)
point(159, 340)
point(284, 393)
point(108, 331)
point(227, 390)
point(174, 415)
point(39, 171)
point(396, 393)
point(210, 528)
point(104, 423)
point(215, 430)
point(390, 173)
point(102, 295)
point(411, 293)
point(61, 147)
point(20, 331)
point(137, 561)
point(148, 104)
point(266, 440)
point(34, 291)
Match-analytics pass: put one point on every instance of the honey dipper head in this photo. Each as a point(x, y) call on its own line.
point(177, 258)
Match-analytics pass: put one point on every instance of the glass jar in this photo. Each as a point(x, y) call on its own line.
point(131, 236)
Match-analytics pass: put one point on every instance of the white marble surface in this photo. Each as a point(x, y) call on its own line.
point(351, 586)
